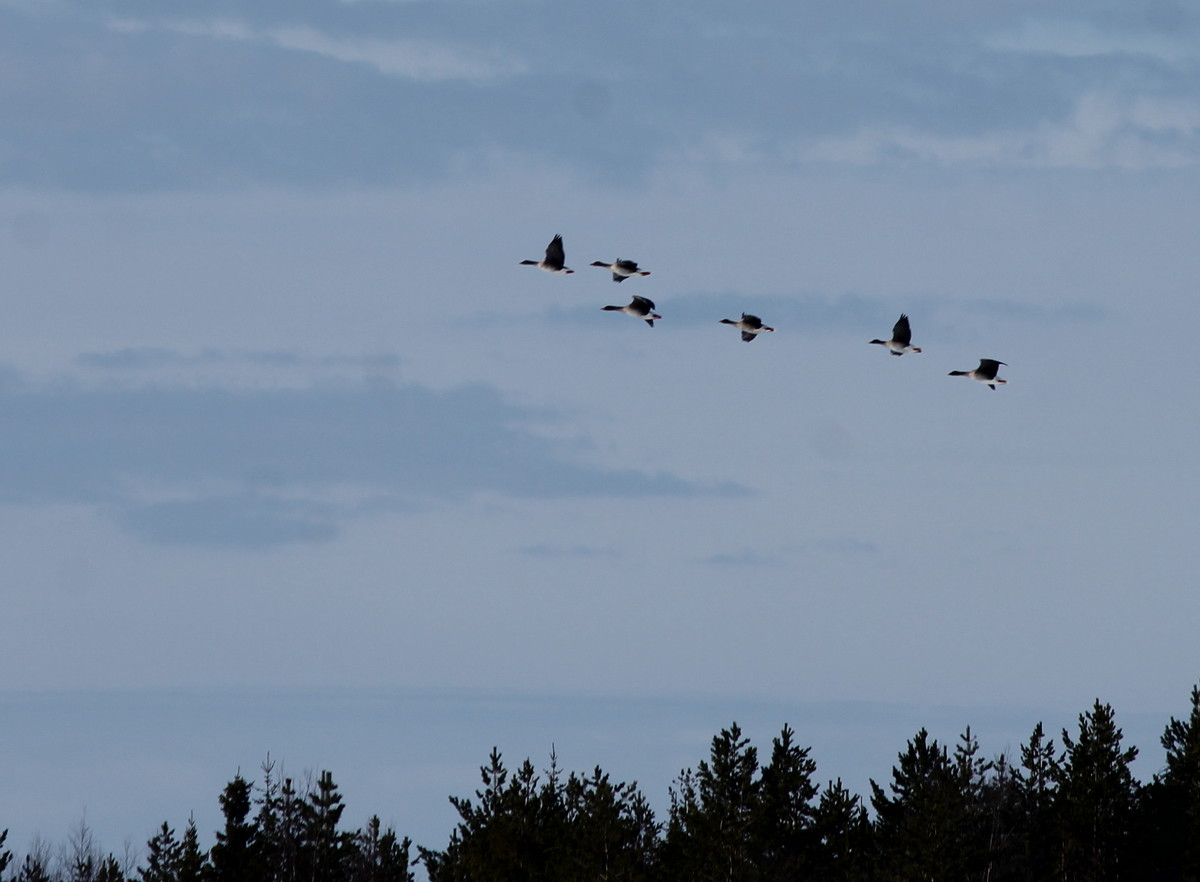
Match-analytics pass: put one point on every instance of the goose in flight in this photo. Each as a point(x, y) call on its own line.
point(622, 269)
point(750, 325)
point(639, 307)
point(985, 373)
point(901, 341)
point(554, 260)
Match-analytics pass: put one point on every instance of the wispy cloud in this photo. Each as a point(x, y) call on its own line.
point(1103, 130)
point(421, 60)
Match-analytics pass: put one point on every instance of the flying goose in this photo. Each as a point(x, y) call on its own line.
point(985, 373)
point(639, 307)
point(622, 269)
point(554, 260)
point(750, 325)
point(901, 341)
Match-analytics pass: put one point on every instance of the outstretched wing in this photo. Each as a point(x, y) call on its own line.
point(901, 332)
point(554, 253)
point(643, 302)
point(989, 367)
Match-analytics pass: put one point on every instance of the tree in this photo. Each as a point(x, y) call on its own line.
point(505, 835)
point(842, 834)
point(36, 866)
point(927, 828)
point(713, 813)
point(163, 855)
point(325, 850)
point(5, 855)
point(232, 856)
point(193, 863)
point(784, 841)
point(1096, 798)
point(1168, 835)
point(380, 856)
point(609, 831)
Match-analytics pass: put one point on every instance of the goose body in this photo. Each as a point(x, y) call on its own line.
point(750, 326)
point(554, 261)
point(622, 269)
point(639, 307)
point(985, 373)
point(901, 341)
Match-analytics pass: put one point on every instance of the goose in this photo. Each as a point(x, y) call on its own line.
point(554, 260)
point(622, 269)
point(750, 325)
point(639, 307)
point(985, 373)
point(901, 341)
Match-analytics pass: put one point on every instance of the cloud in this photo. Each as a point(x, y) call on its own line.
point(217, 466)
point(422, 60)
point(1101, 131)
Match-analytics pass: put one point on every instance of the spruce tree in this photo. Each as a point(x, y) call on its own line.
point(325, 850)
point(163, 854)
point(5, 855)
point(193, 863)
point(233, 857)
point(1096, 798)
point(380, 856)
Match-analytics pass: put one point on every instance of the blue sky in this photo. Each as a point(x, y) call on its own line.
point(283, 413)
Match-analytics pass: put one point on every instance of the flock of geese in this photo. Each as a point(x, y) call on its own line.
point(751, 326)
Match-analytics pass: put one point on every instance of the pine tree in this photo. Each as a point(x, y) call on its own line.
point(926, 828)
point(502, 836)
point(784, 842)
point(1168, 833)
point(1096, 798)
point(709, 836)
point(608, 831)
point(1037, 846)
point(843, 835)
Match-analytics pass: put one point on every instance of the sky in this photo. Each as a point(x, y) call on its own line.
point(285, 424)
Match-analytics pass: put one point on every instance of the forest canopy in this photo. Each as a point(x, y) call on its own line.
point(1069, 810)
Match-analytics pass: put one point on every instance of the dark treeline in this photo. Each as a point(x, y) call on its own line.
point(1065, 811)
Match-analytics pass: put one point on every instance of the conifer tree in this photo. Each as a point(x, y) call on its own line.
point(784, 842)
point(380, 856)
point(193, 863)
point(36, 866)
point(163, 855)
point(710, 833)
point(5, 855)
point(1168, 832)
point(232, 856)
point(502, 836)
point(326, 851)
point(1036, 847)
point(843, 835)
point(1096, 798)
point(925, 828)
point(609, 831)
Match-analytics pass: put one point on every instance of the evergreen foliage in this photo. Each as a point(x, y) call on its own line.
point(1064, 815)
